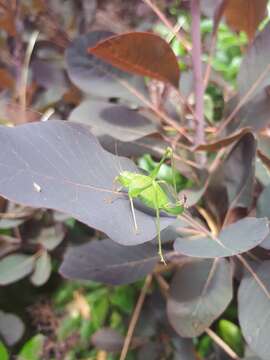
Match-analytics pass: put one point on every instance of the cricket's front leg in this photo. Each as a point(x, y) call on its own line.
point(115, 183)
point(115, 190)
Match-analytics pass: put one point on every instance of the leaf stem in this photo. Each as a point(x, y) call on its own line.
point(221, 343)
point(244, 100)
point(255, 276)
point(197, 69)
point(25, 69)
point(168, 24)
point(135, 316)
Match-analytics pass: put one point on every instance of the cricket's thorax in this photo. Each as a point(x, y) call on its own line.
point(124, 178)
point(134, 182)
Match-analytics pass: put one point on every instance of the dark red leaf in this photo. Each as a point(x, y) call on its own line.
point(245, 15)
point(140, 53)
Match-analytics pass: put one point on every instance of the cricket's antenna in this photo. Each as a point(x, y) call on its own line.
point(173, 174)
point(116, 153)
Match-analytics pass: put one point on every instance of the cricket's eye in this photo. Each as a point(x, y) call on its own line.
point(169, 152)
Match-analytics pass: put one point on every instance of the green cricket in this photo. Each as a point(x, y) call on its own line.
point(150, 192)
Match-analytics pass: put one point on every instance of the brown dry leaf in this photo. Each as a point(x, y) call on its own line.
point(13, 113)
point(141, 53)
point(7, 22)
point(102, 355)
point(6, 80)
point(264, 158)
point(221, 143)
point(72, 96)
point(39, 6)
point(80, 306)
point(245, 15)
point(235, 215)
point(2, 204)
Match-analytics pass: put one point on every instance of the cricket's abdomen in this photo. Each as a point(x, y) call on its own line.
point(154, 196)
point(173, 209)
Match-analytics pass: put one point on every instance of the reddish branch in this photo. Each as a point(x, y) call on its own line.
point(197, 70)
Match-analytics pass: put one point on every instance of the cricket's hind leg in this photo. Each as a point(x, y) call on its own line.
point(133, 215)
point(160, 252)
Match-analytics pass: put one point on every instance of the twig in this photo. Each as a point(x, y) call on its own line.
point(167, 119)
point(17, 233)
point(158, 112)
point(24, 75)
point(160, 268)
point(168, 24)
point(209, 220)
point(47, 114)
point(255, 276)
point(243, 100)
point(175, 31)
point(185, 103)
point(217, 18)
point(197, 70)
point(16, 215)
point(135, 317)
point(207, 73)
point(196, 225)
point(163, 285)
point(217, 161)
point(221, 344)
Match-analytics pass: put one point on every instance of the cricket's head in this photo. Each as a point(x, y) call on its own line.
point(124, 178)
point(168, 153)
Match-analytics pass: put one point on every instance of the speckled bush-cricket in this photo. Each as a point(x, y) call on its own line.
point(150, 192)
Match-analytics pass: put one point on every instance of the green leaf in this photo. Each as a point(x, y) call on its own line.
point(209, 108)
point(116, 321)
point(64, 294)
point(3, 352)
point(100, 310)
point(232, 335)
point(43, 269)
point(68, 326)
point(96, 295)
point(87, 329)
point(15, 267)
point(32, 349)
point(205, 346)
point(123, 298)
